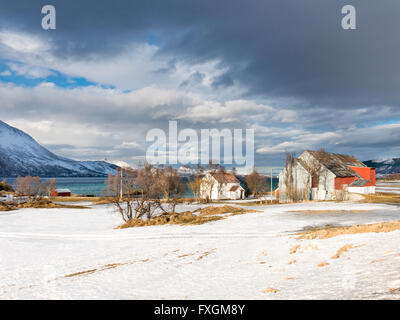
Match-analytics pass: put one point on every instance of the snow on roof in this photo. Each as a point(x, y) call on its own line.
point(63, 190)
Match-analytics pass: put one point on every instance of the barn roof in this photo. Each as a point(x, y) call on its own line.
point(63, 190)
point(359, 183)
point(338, 163)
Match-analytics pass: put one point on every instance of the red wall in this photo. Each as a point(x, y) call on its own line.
point(61, 194)
point(367, 174)
point(339, 182)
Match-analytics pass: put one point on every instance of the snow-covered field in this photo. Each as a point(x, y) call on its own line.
point(76, 254)
point(388, 186)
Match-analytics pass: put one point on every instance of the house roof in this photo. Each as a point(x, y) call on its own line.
point(63, 190)
point(225, 177)
point(338, 163)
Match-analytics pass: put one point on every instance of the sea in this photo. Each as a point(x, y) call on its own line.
point(96, 186)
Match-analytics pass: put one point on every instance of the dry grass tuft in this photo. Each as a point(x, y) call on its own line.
point(322, 264)
point(45, 203)
point(39, 204)
point(329, 232)
point(183, 218)
point(5, 206)
point(294, 249)
point(270, 290)
point(342, 250)
point(206, 254)
point(207, 211)
point(75, 198)
point(80, 273)
point(292, 261)
point(205, 215)
point(289, 278)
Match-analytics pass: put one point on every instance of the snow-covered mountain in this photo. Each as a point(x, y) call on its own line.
point(21, 155)
point(383, 167)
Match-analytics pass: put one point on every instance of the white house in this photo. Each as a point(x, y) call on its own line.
point(221, 186)
point(320, 175)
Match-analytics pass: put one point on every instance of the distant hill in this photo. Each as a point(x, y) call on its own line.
point(383, 167)
point(21, 155)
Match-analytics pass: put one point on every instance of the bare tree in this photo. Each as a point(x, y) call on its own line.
point(145, 192)
point(33, 187)
point(256, 183)
point(293, 193)
point(194, 183)
point(50, 186)
point(171, 187)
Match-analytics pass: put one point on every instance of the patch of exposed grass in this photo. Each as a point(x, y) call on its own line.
point(380, 197)
point(40, 204)
point(183, 218)
point(270, 290)
point(209, 211)
point(78, 199)
point(294, 249)
point(45, 203)
point(322, 264)
point(5, 206)
point(329, 232)
point(342, 250)
point(80, 273)
point(204, 215)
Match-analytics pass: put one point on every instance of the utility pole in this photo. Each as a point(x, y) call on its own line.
point(271, 185)
point(120, 184)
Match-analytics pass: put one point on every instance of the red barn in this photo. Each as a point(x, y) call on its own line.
point(61, 193)
point(320, 175)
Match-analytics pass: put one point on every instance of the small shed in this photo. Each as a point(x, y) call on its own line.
point(61, 193)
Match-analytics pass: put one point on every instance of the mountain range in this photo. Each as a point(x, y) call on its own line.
point(384, 167)
point(21, 155)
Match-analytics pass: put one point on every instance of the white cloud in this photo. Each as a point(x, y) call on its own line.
point(29, 71)
point(5, 73)
point(22, 42)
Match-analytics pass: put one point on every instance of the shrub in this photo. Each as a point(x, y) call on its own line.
point(5, 187)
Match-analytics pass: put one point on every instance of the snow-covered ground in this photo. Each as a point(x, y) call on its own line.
point(77, 254)
point(388, 187)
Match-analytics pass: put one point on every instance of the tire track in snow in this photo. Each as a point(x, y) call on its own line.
point(95, 237)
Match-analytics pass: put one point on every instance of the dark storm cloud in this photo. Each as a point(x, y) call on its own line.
point(275, 48)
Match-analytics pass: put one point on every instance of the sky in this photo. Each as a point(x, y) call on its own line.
point(113, 70)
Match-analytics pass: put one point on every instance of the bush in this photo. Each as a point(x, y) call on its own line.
point(5, 187)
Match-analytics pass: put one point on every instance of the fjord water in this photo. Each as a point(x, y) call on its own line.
point(96, 185)
point(77, 185)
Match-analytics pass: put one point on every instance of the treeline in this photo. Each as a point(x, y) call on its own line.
point(150, 191)
point(32, 188)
